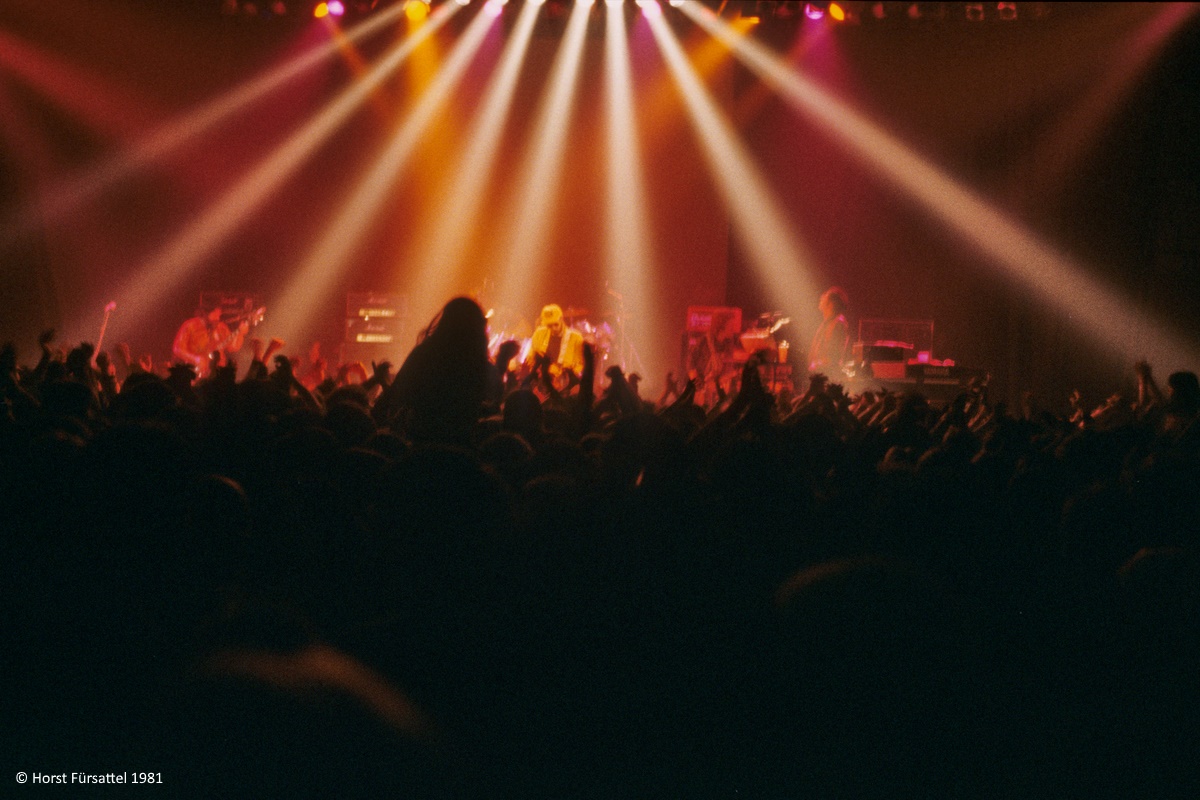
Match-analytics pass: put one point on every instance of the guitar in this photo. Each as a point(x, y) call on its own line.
point(201, 342)
point(549, 373)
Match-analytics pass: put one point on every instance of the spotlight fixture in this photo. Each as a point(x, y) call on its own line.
point(815, 11)
point(333, 8)
point(1006, 11)
point(416, 10)
point(650, 8)
point(974, 12)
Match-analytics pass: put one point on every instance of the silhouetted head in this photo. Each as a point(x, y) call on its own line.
point(522, 411)
point(833, 302)
point(460, 321)
point(1184, 391)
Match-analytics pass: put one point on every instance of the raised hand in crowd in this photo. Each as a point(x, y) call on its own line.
point(106, 377)
point(258, 363)
point(381, 375)
point(588, 378)
point(123, 360)
point(1029, 407)
point(273, 347)
point(45, 339)
point(352, 373)
point(1078, 416)
point(285, 377)
point(670, 389)
point(1148, 392)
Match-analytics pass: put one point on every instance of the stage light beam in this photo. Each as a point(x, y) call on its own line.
point(99, 104)
point(763, 230)
point(438, 258)
point(1053, 276)
point(535, 204)
point(322, 267)
point(65, 197)
point(171, 264)
point(416, 10)
point(630, 256)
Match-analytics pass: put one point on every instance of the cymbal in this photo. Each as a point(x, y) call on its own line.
point(572, 311)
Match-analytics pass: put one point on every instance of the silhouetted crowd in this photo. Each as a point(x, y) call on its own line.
point(450, 583)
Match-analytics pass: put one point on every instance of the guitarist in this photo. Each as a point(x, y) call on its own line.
point(556, 348)
point(203, 335)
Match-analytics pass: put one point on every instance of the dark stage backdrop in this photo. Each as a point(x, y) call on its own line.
point(998, 107)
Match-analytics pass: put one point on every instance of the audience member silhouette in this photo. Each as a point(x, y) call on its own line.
point(440, 390)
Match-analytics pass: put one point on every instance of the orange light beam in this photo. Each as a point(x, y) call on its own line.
point(358, 65)
point(542, 166)
point(438, 259)
point(1053, 276)
point(172, 263)
point(345, 231)
point(421, 72)
point(630, 256)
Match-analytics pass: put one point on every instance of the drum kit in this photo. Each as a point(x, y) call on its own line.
point(598, 334)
